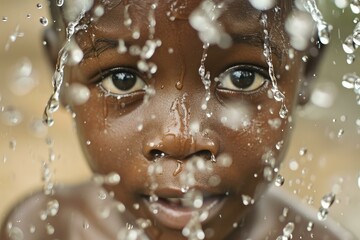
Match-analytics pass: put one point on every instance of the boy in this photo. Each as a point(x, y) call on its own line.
point(192, 129)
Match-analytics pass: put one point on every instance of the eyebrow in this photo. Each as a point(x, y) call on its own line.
point(257, 40)
point(100, 45)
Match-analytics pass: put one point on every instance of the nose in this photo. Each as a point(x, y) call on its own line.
point(179, 139)
point(181, 146)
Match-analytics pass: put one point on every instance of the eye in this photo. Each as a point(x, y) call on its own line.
point(242, 79)
point(121, 82)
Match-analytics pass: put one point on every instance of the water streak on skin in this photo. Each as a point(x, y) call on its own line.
point(179, 168)
point(180, 122)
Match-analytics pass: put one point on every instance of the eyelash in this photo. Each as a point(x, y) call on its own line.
point(108, 88)
point(111, 73)
point(247, 68)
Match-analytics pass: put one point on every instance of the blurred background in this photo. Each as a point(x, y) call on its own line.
point(323, 157)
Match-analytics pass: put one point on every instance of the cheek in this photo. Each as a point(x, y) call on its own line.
point(107, 139)
point(252, 136)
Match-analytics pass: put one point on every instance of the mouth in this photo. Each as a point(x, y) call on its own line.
point(176, 211)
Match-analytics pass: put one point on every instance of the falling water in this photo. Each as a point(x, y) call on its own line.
point(58, 77)
point(205, 77)
point(277, 94)
point(322, 26)
point(351, 43)
point(193, 229)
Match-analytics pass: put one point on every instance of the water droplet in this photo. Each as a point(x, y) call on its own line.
point(340, 133)
point(43, 215)
point(214, 180)
point(303, 151)
point(355, 6)
point(99, 11)
point(77, 94)
point(263, 4)
point(44, 21)
point(32, 229)
point(136, 206)
point(4, 19)
point(59, 3)
point(348, 45)
point(279, 145)
point(247, 200)
point(224, 160)
point(288, 229)
point(50, 229)
point(279, 181)
point(327, 200)
point(52, 207)
point(10, 116)
point(88, 142)
point(310, 226)
point(322, 214)
point(112, 179)
point(12, 144)
point(294, 165)
point(143, 223)
point(274, 123)
point(39, 5)
point(102, 195)
point(15, 233)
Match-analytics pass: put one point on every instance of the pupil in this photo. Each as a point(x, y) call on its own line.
point(124, 80)
point(242, 79)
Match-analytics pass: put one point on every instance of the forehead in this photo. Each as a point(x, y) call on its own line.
point(235, 15)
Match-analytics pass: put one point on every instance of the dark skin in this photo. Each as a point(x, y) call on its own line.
point(109, 132)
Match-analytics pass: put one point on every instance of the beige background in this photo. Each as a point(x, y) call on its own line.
point(331, 163)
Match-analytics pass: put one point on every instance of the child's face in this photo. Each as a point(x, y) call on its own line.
point(122, 133)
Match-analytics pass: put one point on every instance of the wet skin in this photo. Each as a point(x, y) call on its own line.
point(111, 123)
point(120, 133)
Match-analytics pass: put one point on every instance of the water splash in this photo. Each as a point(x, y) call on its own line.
point(205, 76)
point(58, 77)
point(277, 94)
point(351, 43)
point(204, 20)
point(323, 27)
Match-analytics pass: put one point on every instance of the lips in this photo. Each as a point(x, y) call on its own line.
point(174, 210)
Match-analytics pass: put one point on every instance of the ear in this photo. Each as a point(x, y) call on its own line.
point(315, 54)
point(51, 45)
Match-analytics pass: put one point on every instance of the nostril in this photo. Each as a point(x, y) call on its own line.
point(155, 153)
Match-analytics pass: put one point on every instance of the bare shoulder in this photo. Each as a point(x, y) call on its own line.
point(288, 215)
point(78, 212)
